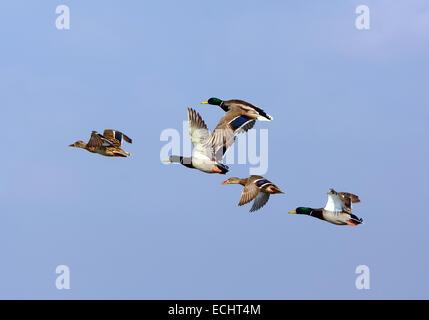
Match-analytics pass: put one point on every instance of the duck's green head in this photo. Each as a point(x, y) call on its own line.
point(213, 101)
point(302, 210)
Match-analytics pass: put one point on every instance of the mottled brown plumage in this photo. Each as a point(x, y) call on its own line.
point(116, 137)
point(255, 187)
point(108, 144)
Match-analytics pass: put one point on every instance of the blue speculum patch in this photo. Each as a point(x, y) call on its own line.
point(238, 122)
point(261, 182)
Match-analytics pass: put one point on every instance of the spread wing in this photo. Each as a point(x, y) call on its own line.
point(348, 199)
point(116, 137)
point(260, 201)
point(97, 141)
point(231, 124)
point(199, 134)
point(335, 202)
point(249, 193)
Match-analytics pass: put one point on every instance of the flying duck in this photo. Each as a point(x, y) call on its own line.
point(240, 117)
point(203, 155)
point(255, 187)
point(107, 144)
point(338, 209)
point(247, 109)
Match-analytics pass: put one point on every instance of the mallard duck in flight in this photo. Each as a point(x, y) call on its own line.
point(255, 187)
point(203, 155)
point(338, 209)
point(108, 144)
point(240, 117)
point(247, 109)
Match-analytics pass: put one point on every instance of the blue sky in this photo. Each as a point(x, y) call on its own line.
point(350, 112)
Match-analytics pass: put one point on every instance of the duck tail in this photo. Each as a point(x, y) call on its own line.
point(120, 154)
point(224, 168)
point(354, 221)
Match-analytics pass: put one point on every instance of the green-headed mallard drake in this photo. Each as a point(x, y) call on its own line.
point(203, 155)
point(338, 209)
point(108, 144)
point(240, 117)
point(248, 110)
point(255, 187)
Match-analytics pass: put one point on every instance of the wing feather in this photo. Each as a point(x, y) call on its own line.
point(97, 141)
point(260, 201)
point(335, 202)
point(348, 199)
point(116, 137)
point(231, 124)
point(199, 134)
point(249, 193)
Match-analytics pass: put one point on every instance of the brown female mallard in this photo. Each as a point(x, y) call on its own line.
point(255, 187)
point(108, 144)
